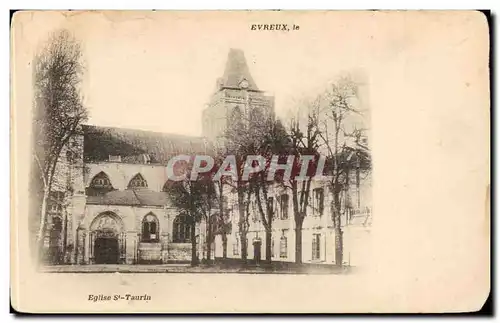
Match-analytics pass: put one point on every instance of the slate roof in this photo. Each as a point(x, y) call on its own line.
point(101, 142)
point(236, 70)
point(136, 197)
point(131, 145)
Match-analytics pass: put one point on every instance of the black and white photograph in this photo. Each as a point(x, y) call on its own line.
point(253, 150)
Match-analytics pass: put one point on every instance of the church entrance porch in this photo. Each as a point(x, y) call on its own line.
point(107, 240)
point(106, 251)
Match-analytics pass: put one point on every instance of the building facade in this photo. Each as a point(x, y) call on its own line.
point(112, 207)
point(318, 237)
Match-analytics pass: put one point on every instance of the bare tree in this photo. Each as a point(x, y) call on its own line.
point(243, 194)
point(273, 141)
point(207, 192)
point(58, 112)
point(304, 141)
point(343, 146)
point(222, 220)
point(196, 199)
point(242, 139)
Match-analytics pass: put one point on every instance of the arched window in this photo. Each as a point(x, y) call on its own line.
point(256, 114)
point(150, 228)
point(182, 229)
point(137, 182)
point(101, 180)
point(236, 115)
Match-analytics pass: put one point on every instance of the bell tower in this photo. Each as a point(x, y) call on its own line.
point(236, 95)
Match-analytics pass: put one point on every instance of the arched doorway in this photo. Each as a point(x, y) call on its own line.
point(107, 239)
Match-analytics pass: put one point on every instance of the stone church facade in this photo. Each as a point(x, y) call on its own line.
point(116, 211)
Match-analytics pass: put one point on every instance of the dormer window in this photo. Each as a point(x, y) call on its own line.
point(115, 158)
point(101, 180)
point(146, 159)
point(137, 182)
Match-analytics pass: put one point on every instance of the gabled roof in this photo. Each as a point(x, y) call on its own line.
point(236, 71)
point(101, 142)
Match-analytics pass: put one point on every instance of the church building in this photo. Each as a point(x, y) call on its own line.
point(116, 210)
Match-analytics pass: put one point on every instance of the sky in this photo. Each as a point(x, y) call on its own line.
point(156, 70)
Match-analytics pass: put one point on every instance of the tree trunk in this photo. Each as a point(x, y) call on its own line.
point(269, 239)
point(221, 222)
point(194, 256)
point(298, 243)
point(209, 256)
point(244, 247)
point(339, 246)
point(43, 225)
point(242, 225)
point(224, 246)
point(209, 242)
point(335, 206)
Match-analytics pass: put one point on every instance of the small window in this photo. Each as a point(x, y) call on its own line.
point(270, 207)
point(283, 246)
point(146, 159)
point(236, 247)
point(283, 201)
point(318, 201)
point(316, 247)
point(115, 159)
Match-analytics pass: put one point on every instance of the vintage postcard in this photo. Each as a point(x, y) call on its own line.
point(250, 161)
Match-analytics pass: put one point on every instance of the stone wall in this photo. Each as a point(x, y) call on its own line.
point(179, 252)
point(150, 253)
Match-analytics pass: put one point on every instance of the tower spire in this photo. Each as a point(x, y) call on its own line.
point(237, 73)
